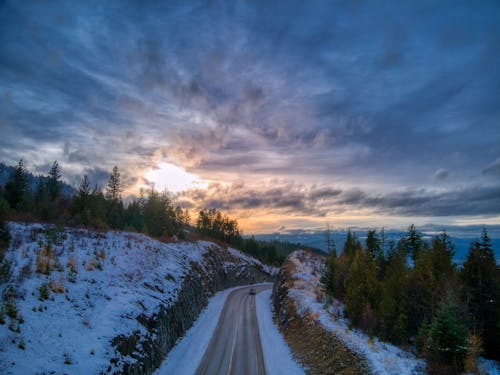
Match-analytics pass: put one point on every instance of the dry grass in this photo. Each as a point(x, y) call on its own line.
point(57, 286)
point(72, 264)
point(90, 265)
point(45, 261)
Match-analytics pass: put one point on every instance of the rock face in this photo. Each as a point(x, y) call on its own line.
point(220, 270)
point(80, 301)
point(319, 351)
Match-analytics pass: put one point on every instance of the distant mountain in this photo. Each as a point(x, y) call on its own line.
point(33, 181)
point(460, 236)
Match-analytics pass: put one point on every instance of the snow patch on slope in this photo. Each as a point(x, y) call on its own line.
point(277, 355)
point(98, 284)
point(306, 292)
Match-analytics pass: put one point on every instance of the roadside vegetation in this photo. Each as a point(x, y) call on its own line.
point(410, 293)
point(154, 213)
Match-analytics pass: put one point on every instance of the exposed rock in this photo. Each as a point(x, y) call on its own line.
point(220, 270)
point(319, 351)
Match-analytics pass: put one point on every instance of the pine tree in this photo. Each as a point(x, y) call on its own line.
point(412, 244)
point(328, 272)
point(114, 189)
point(479, 276)
point(113, 196)
point(362, 291)
point(16, 189)
point(53, 181)
point(373, 245)
point(4, 229)
point(393, 307)
point(447, 340)
point(351, 245)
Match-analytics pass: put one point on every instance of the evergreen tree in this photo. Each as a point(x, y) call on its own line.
point(113, 196)
point(16, 188)
point(54, 182)
point(447, 340)
point(393, 307)
point(81, 203)
point(114, 189)
point(373, 244)
point(412, 244)
point(328, 272)
point(432, 279)
point(4, 229)
point(482, 292)
point(362, 291)
point(351, 245)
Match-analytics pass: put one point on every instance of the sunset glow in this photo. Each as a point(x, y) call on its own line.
point(352, 113)
point(172, 178)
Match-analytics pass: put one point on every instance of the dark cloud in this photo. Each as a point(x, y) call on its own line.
point(319, 201)
point(493, 169)
point(363, 93)
point(440, 174)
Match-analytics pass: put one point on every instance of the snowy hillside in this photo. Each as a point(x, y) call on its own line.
point(307, 294)
point(306, 291)
point(69, 294)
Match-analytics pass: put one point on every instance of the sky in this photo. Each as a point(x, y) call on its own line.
point(285, 114)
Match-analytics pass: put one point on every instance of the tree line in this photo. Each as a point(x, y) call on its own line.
point(410, 292)
point(218, 225)
point(153, 213)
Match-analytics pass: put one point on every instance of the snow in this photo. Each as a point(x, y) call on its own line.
point(277, 355)
point(307, 294)
point(489, 367)
point(273, 271)
point(118, 276)
point(186, 355)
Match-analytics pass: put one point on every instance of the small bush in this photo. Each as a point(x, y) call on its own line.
point(11, 308)
point(67, 359)
point(43, 291)
point(57, 286)
point(21, 344)
point(90, 265)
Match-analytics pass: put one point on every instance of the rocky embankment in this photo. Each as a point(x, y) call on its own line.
point(76, 301)
point(317, 349)
point(219, 270)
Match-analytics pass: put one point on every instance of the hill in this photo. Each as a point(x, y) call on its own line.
point(77, 301)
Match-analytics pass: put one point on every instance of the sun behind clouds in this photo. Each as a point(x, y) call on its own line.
point(172, 178)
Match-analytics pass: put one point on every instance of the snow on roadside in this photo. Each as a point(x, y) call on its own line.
point(186, 355)
point(273, 271)
point(383, 358)
point(277, 355)
point(75, 290)
point(487, 366)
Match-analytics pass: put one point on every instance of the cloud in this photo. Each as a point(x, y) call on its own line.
point(493, 168)
point(440, 174)
point(338, 94)
point(300, 200)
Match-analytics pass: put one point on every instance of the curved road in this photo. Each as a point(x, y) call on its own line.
point(235, 346)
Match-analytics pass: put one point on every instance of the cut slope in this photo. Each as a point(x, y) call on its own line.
point(306, 292)
point(85, 302)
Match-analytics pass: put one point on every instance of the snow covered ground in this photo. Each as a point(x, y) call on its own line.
point(383, 358)
point(71, 292)
point(277, 355)
point(185, 357)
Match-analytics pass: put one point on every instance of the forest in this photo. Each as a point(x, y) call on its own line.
point(408, 292)
point(411, 293)
point(153, 213)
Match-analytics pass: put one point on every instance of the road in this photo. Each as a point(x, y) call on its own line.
point(235, 347)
